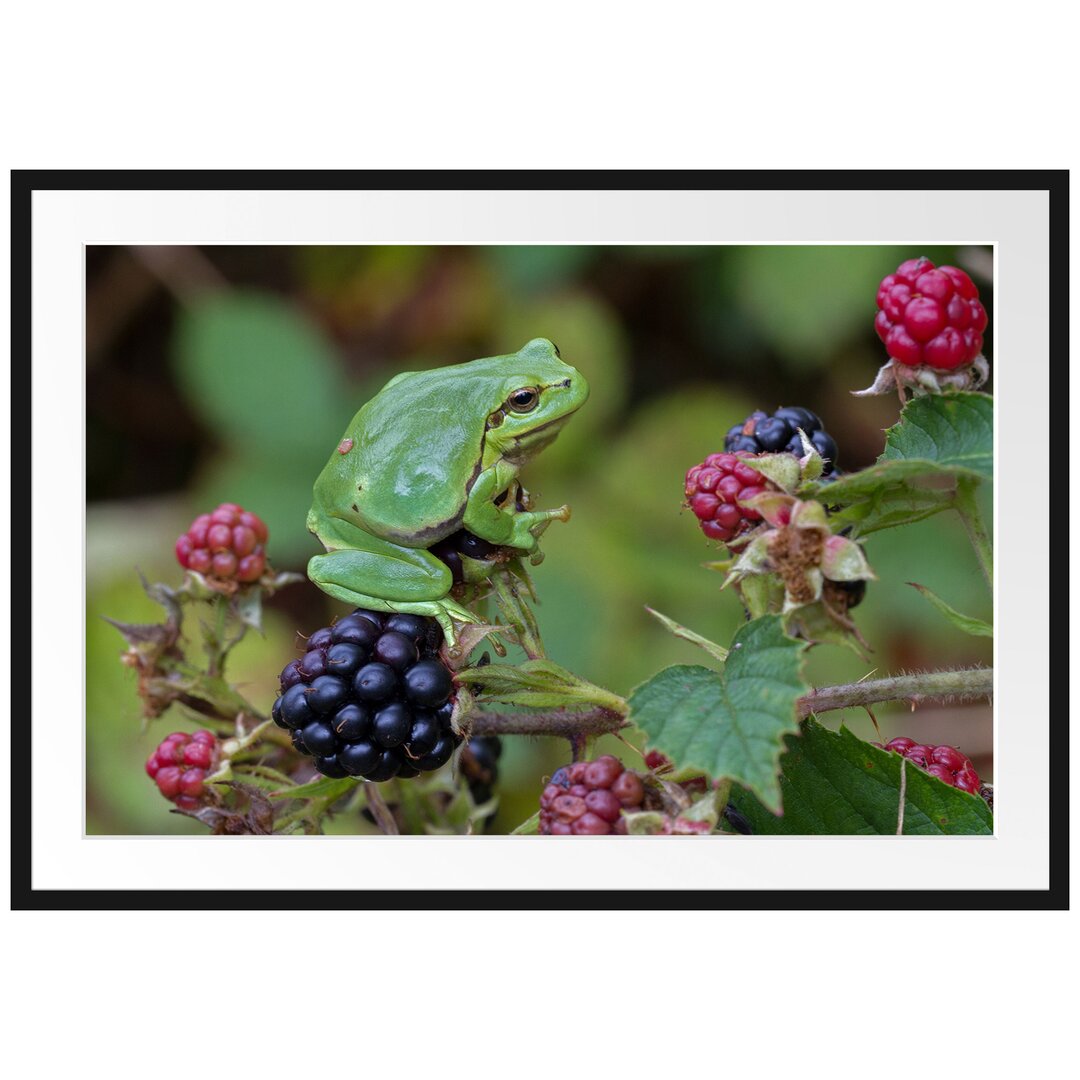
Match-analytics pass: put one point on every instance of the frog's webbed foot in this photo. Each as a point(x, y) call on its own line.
point(546, 517)
point(530, 525)
point(446, 612)
point(412, 582)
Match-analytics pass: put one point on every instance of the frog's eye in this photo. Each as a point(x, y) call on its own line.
point(524, 400)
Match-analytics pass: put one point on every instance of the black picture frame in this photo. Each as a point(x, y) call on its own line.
point(24, 183)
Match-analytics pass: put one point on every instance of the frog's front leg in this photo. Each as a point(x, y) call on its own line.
point(382, 576)
point(505, 524)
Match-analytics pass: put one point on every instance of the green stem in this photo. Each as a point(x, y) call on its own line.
point(264, 771)
point(311, 812)
point(215, 640)
point(981, 541)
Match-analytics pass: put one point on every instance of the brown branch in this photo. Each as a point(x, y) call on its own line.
point(562, 723)
point(379, 810)
point(921, 686)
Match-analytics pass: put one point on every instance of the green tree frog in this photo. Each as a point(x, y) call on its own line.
point(435, 452)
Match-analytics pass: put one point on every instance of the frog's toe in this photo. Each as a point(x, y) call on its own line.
point(449, 611)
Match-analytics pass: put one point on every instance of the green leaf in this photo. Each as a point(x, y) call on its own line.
point(967, 623)
point(813, 623)
point(718, 652)
point(762, 594)
point(537, 683)
point(954, 431)
point(729, 724)
point(888, 495)
point(913, 478)
point(939, 439)
point(326, 788)
point(782, 469)
point(834, 783)
point(529, 827)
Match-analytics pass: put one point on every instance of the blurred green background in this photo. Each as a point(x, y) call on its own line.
point(222, 374)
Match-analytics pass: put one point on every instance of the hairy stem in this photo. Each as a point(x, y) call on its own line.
point(922, 686)
point(580, 724)
point(968, 509)
point(215, 645)
point(562, 723)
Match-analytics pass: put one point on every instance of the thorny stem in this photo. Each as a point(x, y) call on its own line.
point(576, 725)
point(562, 723)
point(968, 509)
point(916, 688)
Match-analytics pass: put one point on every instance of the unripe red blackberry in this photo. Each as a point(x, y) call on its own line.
point(228, 544)
point(180, 764)
point(371, 698)
point(945, 762)
point(715, 490)
point(588, 798)
point(930, 315)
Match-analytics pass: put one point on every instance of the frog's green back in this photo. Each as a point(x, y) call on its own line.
point(416, 450)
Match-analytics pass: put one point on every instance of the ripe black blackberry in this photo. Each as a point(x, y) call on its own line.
point(480, 766)
point(370, 698)
point(760, 433)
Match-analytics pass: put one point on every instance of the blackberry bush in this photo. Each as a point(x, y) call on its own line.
point(371, 698)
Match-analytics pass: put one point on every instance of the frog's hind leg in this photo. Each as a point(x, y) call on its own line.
point(391, 578)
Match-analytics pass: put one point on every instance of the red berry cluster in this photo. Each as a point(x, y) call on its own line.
point(228, 544)
point(944, 762)
point(180, 764)
point(930, 315)
point(714, 490)
point(588, 798)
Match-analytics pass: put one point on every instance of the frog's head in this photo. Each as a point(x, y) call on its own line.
point(538, 395)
